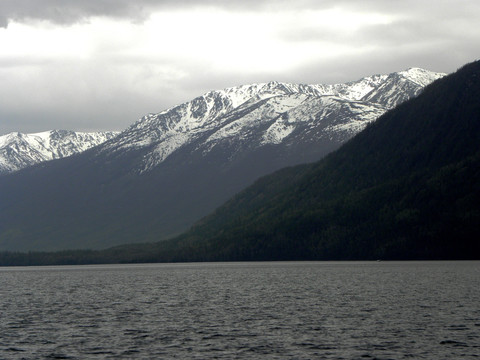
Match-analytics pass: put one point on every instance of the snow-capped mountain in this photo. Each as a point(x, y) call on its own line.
point(19, 150)
point(168, 170)
point(248, 116)
point(258, 115)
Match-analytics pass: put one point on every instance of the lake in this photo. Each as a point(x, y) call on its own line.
point(271, 310)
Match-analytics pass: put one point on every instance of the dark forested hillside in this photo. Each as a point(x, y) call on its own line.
point(407, 187)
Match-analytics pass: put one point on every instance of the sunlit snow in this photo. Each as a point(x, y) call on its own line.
point(257, 114)
point(19, 150)
point(270, 113)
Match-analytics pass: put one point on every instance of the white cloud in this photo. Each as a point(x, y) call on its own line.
point(90, 65)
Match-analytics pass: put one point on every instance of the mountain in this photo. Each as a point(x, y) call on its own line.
point(408, 187)
point(243, 119)
point(167, 170)
point(18, 150)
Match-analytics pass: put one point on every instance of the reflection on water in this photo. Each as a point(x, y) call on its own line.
point(297, 310)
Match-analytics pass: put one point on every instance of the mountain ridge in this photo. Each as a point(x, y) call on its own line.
point(167, 170)
point(172, 128)
point(19, 150)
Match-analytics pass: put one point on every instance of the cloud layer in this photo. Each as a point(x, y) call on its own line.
point(88, 65)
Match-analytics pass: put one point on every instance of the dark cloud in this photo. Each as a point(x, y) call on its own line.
point(71, 11)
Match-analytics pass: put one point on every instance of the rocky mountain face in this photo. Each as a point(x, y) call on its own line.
point(167, 170)
point(313, 119)
point(18, 150)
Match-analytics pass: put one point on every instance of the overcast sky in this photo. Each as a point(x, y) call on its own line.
point(102, 64)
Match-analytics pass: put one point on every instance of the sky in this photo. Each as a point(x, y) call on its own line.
point(95, 65)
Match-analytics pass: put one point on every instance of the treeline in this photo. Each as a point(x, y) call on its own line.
point(423, 216)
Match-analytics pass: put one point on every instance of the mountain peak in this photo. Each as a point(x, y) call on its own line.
point(272, 83)
point(420, 76)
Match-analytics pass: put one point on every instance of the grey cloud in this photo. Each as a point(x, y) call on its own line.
point(68, 11)
point(71, 11)
point(403, 33)
point(376, 61)
point(412, 19)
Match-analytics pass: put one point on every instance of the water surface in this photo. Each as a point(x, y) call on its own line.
point(277, 310)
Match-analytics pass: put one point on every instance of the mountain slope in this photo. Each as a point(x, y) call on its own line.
point(18, 151)
point(271, 111)
point(408, 187)
point(168, 170)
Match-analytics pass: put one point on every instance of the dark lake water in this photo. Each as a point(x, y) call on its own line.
point(292, 310)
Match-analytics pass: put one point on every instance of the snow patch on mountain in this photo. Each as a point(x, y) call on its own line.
point(278, 131)
point(165, 148)
point(245, 119)
point(357, 90)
